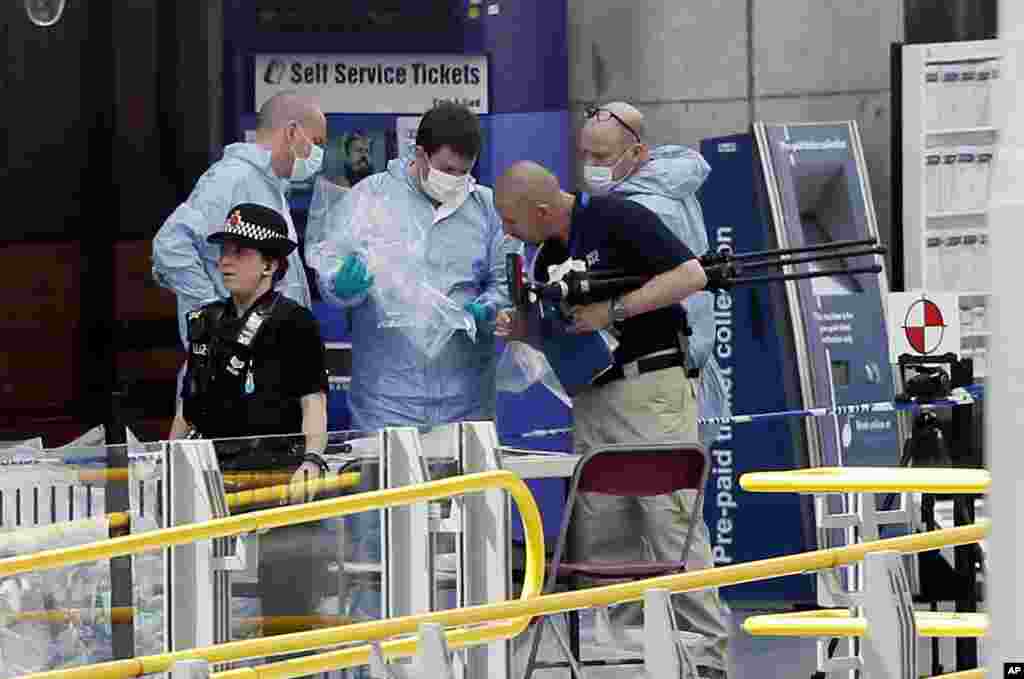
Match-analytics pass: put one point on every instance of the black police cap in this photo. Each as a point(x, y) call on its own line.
point(257, 226)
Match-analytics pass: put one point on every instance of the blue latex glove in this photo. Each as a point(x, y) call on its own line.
point(352, 278)
point(483, 314)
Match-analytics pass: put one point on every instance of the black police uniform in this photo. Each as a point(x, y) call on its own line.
point(610, 233)
point(246, 376)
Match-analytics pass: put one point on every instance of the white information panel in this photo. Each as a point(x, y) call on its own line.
point(366, 83)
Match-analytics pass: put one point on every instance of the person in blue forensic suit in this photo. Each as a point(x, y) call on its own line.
point(434, 202)
point(290, 134)
point(459, 250)
point(665, 179)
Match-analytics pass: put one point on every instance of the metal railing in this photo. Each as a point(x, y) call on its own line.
point(869, 480)
point(120, 521)
point(508, 627)
point(840, 622)
point(516, 614)
point(859, 488)
point(81, 495)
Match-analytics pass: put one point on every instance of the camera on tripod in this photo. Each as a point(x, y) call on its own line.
point(929, 381)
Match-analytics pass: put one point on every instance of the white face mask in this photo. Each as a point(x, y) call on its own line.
point(304, 168)
point(447, 188)
point(599, 177)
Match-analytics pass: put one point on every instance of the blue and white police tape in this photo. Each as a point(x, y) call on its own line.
point(958, 398)
point(834, 411)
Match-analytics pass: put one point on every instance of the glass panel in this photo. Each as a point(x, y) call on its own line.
point(296, 578)
point(149, 569)
point(84, 613)
point(441, 449)
point(311, 575)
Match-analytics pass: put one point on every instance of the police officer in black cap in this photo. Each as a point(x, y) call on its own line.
point(257, 373)
point(257, 363)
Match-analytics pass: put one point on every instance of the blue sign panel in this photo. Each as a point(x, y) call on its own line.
point(748, 526)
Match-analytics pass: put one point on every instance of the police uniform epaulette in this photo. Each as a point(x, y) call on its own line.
point(220, 305)
point(200, 320)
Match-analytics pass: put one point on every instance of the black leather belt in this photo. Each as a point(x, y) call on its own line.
point(644, 365)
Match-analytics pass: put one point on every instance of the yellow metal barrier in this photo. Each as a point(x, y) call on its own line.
point(840, 623)
point(119, 615)
point(869, 480)
point(522, 610)
point(280, 624)
point(966, 674)
point(103, 475)
point(237, 480)
point(261, 495)
point(277, 517)
point(509, 625)
point(286, 491)
point(249, 480)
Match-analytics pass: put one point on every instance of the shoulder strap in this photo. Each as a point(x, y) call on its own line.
point(256, 319)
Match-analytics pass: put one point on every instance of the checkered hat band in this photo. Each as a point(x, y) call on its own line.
point(252, 231)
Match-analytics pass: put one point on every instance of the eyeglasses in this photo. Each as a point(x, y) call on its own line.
point(603, 115)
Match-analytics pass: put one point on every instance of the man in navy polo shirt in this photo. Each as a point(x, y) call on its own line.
point(646, 396)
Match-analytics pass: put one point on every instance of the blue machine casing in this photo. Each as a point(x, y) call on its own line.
point(746, 526)
point(809, 343)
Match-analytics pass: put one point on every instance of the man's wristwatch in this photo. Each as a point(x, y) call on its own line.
point(618, 311)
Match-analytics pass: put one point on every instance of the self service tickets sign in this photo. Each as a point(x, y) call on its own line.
point(363, 83)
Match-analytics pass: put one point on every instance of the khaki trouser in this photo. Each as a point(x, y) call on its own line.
point(654, 407)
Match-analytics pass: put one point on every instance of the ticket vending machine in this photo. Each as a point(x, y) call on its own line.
point(376, 66)
point(821, 340)
point(818, 192)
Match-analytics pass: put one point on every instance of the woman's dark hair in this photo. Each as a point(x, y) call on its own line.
point(282, 264)
point(452, 125)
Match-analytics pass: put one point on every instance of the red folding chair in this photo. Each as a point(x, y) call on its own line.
point(634, 470)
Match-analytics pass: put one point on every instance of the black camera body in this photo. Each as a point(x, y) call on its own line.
point(928, 381)
point(929, 384)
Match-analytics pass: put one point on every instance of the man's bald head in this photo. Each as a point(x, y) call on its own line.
point(527, 181)
point(613, 136)
point(288, 125)
point(529, 199)
point(628, 116)
point(285, 107)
